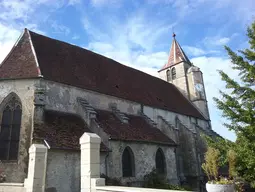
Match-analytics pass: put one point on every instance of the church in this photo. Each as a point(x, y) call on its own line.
point(51, 92)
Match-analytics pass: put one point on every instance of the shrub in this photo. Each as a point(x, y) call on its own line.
point(211, 164)
point(157, 181)
point(111, 181)
point(232, 163)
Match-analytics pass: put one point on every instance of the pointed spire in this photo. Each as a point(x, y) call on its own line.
point(176, 54)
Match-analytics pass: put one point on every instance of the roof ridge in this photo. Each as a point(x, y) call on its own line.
point(98, 54)
point(34, 53)
point(15, 44)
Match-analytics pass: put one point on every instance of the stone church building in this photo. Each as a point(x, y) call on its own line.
point(51, 92)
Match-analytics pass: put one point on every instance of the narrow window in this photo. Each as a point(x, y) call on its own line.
point(176, 122)
point(128, 166)
point(10, 130)
point(160, 162)
point(168, 75)
point(173, 73)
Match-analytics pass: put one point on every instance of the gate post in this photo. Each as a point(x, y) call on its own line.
point(35, 181)
point(90, 162)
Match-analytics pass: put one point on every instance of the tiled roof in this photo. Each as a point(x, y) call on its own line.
point(176, 55)
point(62, 131)
point(68, 64)
point(137, 129)
point(20, 63)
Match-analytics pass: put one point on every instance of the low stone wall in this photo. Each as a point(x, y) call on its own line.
point(130, 189)
point(12, 187)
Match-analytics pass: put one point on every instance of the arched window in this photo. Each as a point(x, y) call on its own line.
point(173, 73)
point(10, 129)
point(160, 162)
point(128, 165)
point(176, 122)
point(168, 77)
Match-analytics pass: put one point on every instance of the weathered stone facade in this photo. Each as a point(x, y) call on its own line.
point(59, 97)
point(23, 89)
point(177, 134)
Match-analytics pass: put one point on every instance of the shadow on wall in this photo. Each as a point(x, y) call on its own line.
point(51, 189)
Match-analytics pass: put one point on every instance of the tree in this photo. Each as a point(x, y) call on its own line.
point(238, 106)
point(221, 144)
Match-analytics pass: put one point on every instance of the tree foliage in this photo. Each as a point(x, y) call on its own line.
point(238, 106)
point(221, 144)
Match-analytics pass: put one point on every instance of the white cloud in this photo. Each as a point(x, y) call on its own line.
point(75, 37)
point(12, 10)
point(216, 41)
point(100, 3)
point(74, 2)
point(130, 43)
point(8, 36)
point(193, 51)
point(59, 28)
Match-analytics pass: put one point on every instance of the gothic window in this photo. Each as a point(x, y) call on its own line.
point(176, 122)
point(128, 166)
point(168, 75)
point(160, 162)
point(10, 130)
point(173, 73)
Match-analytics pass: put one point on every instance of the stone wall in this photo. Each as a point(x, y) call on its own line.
point(63, 170)
point(144, 158)
point(64, 98)
point(180, 81)
point(16, 171)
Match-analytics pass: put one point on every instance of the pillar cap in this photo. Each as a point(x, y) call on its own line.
point(37, 148)
point(90, 138)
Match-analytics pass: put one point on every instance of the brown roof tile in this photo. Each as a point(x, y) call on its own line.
point(20, 63)
point(68, 64)
point(176, 55)
point(137, 129)
point(62, 131)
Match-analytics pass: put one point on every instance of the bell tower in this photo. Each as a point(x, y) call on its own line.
point(185, 76)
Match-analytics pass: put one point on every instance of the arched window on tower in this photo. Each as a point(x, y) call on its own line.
point(176, 122)
point(128, 163)
point(10, 129)
point(168, 75)
point(160, 162)
point(173, 73)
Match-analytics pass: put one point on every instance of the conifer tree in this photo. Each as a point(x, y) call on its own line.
point(238, 106)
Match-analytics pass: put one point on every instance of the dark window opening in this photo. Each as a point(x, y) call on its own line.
point(176, 122)
point(173, 73)
point(168, 77)
point(10, 130)
point(128, 166)
point(160, 162)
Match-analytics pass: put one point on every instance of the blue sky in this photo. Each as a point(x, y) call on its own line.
point(138, 33)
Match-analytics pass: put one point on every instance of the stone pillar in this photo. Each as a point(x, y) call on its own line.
point(39, 101)
point(90, 162)
point(35, 181)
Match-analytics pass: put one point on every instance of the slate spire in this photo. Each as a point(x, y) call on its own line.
point(176, 54)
